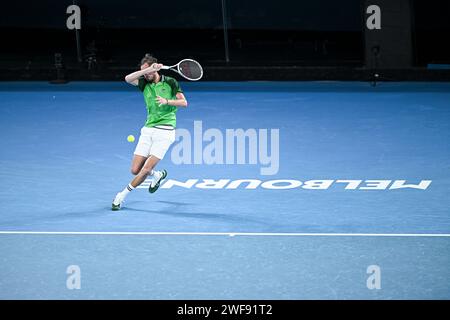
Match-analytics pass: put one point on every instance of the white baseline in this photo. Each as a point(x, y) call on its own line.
point(251, 234)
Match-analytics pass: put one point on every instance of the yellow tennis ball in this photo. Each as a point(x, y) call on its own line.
point(130, 138)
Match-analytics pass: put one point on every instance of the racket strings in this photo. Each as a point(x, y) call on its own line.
point(191, 70)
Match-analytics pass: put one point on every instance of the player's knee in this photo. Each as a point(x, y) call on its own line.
point(146, 170)
point(135, 170)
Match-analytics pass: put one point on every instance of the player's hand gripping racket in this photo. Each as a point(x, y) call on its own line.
point(187, 68)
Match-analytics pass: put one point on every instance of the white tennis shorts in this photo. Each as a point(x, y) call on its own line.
point(154, 142)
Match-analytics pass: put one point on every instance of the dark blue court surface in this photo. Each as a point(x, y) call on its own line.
point(361, 179)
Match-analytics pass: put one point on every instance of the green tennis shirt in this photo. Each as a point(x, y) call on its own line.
point(167, 88)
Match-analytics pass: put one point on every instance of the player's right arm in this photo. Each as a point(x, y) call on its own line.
point(133, 78)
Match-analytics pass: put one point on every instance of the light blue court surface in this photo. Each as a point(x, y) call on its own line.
point(362, 178)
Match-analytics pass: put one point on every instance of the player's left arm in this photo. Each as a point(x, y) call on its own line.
point(180, 100)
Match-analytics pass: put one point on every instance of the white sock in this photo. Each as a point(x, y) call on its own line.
point(127, 190)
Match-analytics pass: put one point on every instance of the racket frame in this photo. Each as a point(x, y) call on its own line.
point(177, 66)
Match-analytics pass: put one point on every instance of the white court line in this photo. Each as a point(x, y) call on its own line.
point(251, 234)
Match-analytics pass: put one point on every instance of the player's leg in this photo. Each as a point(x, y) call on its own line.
point(137, 163)
point(157, 145)
point(141, 154)
point(162, 140)
point(147, 170)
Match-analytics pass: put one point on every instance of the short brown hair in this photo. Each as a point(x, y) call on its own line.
point(148, 58)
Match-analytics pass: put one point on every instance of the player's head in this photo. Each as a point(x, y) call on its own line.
point(146, 62)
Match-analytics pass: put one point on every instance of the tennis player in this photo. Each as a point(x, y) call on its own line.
point(162, 96)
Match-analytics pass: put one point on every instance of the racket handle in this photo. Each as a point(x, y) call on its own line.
point(165, 67)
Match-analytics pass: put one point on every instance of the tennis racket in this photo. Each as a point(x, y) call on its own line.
point(187, 68)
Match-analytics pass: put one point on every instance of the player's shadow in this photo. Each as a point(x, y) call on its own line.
point(68, 217)
point(175, 209)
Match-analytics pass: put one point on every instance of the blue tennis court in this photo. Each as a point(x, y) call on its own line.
point(330, 180)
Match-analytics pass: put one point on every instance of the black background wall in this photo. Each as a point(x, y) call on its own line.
point(267, 39)
point(391, 45)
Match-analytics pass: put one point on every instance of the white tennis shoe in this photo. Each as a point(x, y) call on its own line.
point(117, 202)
